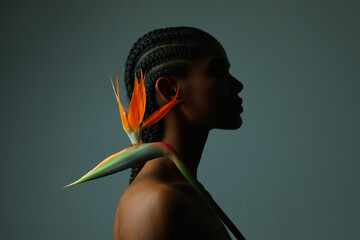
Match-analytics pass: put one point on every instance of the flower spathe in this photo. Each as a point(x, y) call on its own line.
point(132, 119)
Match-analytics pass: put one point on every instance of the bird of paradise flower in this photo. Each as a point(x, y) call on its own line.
point(138, 152)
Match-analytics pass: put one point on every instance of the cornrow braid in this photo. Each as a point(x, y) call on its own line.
point(166, 52)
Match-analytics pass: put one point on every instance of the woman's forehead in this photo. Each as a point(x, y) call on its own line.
point(219, 60)
point(216, 54)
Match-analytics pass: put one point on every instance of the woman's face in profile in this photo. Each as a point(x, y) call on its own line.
point(211, 92)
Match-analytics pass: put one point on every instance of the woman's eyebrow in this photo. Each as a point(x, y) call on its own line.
point(220, 61)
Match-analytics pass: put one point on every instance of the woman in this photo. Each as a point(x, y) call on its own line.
point(160, 203)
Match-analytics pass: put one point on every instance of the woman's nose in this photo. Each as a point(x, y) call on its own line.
point(238, 86)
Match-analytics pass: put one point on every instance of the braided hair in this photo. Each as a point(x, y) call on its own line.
point(166, 52)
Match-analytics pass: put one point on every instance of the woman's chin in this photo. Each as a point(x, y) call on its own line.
point(237, 124)
point(232, 125)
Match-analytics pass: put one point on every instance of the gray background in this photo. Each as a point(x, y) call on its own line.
point(290, 172)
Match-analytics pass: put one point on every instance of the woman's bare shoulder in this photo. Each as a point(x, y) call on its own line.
point(152, 192)
point(150, 208)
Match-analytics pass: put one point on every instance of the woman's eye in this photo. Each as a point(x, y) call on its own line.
point(218, 72)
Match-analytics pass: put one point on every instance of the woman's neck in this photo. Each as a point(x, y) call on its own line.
point(186, 140)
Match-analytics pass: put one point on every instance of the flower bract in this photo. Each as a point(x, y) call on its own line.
point(132, 119)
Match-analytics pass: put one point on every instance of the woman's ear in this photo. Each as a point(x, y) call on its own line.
point(165, 89)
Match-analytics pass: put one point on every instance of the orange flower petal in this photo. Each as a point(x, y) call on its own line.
point(135, 106)
point(160, 113)
point(123, 111)
point(142, 97)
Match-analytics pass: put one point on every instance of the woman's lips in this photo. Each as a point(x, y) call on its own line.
point(238, 104)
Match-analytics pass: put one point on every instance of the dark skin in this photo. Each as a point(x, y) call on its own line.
point(160, 204)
